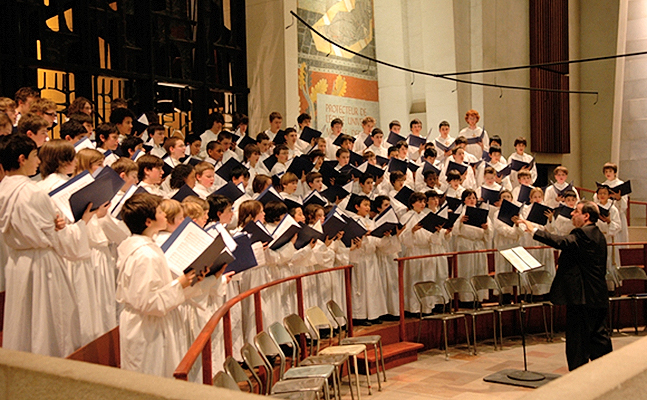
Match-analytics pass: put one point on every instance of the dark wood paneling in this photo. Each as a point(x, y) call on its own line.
point(549, 123)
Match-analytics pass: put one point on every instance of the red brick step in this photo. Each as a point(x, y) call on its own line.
point(395, 354)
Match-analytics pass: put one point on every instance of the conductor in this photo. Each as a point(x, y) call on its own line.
point(580, 284)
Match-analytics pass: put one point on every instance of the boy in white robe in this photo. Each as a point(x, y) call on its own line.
point(552, 198)
point(152, 331)
point(41, 315)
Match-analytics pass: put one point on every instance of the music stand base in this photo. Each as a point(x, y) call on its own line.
point(505, 377)
point(526, 376)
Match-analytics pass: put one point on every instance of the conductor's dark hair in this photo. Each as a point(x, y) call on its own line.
point(139, 208)
point(217, 204)
point(179, 175)
point(274, 211)
point(12, 147)
point(588, 207)
point(118, 115)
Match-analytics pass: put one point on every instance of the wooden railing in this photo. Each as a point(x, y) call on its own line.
point(630, 203)
point(202, 344)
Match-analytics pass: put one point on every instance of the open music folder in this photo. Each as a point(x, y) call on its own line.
point(520, 259)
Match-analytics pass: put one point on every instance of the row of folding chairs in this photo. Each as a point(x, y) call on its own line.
point(615, 278)
point(429, 292)
point(306, 378)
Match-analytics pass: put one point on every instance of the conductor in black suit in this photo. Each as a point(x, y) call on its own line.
point(580, 284)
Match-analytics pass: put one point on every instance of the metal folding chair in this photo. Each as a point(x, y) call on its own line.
point(223, 380)
point(487, 282)
point(456, 286)
point(312, 378)
point(368, 340)
point(237, 372)
point(427, 291)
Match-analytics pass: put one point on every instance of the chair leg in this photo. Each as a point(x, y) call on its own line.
point(445, 336)
point(326, 390)
point(419, 329)
point(382, 360)
point(474, 331)
point(494, 328)
point(350, 380)
point(377, 369)
point(368, 371)
point(467, 337)
point(501, 330)
point(635, 310)
point(543, 313)
point(359, 395)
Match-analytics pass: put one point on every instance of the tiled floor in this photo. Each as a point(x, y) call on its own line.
point(431, 377)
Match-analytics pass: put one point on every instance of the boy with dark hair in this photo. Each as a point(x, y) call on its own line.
point(35, 127)
point(150, 173)
point(276, 120)
point(41, 314)
point(123, 119)
point(73, 131)
point(336, 126)
point(215, 151)
point(132, 147)
point(153, 334)
point(215, 121)
point(157, 136)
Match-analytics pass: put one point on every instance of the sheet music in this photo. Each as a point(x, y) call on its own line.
point(259, 253)
point(526, 257)
point(188, 246)
point(515, 260)
point(520, 259)
point(62, 197)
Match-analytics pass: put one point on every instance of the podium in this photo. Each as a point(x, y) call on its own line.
point(523, 262)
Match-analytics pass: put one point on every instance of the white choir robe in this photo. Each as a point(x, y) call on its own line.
point(152, 188)
point(206, 137)
point(202, 191)
point(505, 236)
point(445, 142)
point(610, 231)
point(158, 151)
point(525, 158)
point(153, 331)
point(337, 279)
point(318, 289)
point(470, 179)
point(41, 313)
point(105, 267)
point(378, 151)
point(258, 169)
point(84, 273)
point(359, 146)
point(466, 238)
point(331, 149)
point(369, 300)
point(421, 242)
point(4, 255)
point(545, 256)
point(475, 149)
point(388, 269)
point(399, 208)
point(621, 206)
point(550, 197)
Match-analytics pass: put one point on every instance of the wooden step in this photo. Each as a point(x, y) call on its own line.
point(395, 354)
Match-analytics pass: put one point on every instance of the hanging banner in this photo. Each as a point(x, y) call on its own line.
point(332, 82)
